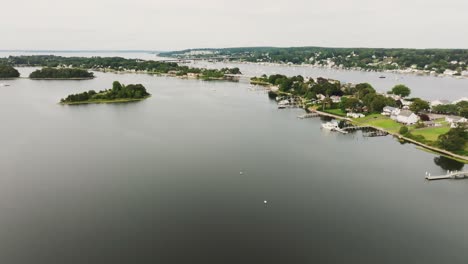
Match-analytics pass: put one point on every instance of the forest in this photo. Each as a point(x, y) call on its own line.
point(118, 93)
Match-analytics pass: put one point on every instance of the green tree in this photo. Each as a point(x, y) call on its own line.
point(404, 130)
point(419, 105)
point(454, 140)
point(350, 103)
point(464, 112)
point(401, 90)
point(8, 72)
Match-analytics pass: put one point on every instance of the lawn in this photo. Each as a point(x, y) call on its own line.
point(431, 133)
point(379, 120)
point(337, 112)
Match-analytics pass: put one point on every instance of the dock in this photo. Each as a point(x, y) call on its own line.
point(451, 175)
point(309, 115)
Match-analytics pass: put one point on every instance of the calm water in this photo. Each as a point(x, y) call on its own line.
point(158, 182)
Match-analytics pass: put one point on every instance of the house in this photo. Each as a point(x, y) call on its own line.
point(405, 104)
point(192, 75)
point(388, 111)
point(407, 117)
point(431, 124)
point(320, 96)
point(439, 102)
point(335, 98)
point(355, 115)
point(454, 121)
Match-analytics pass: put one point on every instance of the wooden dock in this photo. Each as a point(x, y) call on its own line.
point(453, 175)
point(309, 115)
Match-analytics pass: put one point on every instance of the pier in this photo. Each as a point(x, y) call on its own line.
point(450, 175)
point(309, 115)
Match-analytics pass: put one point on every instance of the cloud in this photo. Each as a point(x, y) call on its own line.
point(177, 24)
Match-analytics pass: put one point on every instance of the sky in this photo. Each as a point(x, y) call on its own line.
point(176, 24)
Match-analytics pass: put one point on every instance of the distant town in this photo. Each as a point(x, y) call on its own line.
point(447, 62)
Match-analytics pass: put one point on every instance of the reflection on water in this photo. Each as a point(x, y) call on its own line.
point(448, 164)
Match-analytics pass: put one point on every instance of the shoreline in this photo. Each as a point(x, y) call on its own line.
point(397, 135)
point(53, 79)
point(116, 101)
point(408, 71)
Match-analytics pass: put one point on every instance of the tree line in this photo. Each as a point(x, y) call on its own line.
point(60, 73)
point(7, 71)
point(437, 60)
point(118, 91)
point(114, 63)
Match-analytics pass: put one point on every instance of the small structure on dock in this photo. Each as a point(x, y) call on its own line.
point(450, 175)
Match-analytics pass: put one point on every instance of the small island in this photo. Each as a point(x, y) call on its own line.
point(118, 94)
point(7, 72)
point(61, 74)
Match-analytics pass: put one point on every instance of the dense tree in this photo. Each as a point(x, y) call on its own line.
point(118, 91)
point(401, 90)
point(350, 103)
point(60, 73)
point(450, 109)
point(404, 130)
point(419, 105)
point(454, 140)
point(115, 64)
point(464, 112)
point(437, 60)
point(363, 89)
point(8, 72)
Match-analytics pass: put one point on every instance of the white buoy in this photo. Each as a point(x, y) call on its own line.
point(241, 173)
point(265, 202)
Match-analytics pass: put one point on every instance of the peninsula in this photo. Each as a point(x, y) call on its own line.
point(436, 126)
point(7, 72)
point(61, 74)
point(119, 93)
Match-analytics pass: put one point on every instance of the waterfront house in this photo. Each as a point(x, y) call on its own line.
point(439, 102)
point(405, 104)
point(454, 121)
point(407, 117)
point(335, 98)
point(389, 110)
point(320, 97)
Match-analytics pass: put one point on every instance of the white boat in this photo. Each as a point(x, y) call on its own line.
point(4, 85)
point(330, 125)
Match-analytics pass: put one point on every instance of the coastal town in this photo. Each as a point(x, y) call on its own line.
point(438, 125)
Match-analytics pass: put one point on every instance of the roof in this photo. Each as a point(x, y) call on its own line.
point(406, 113)
point(390, 108)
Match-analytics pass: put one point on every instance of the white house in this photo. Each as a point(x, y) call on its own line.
point(407, 117)
point(355, 115)
point(320, 96)
point(388, 111)
point(439, 102)
point(335, 98)
point(406, 104)
point(454, 121)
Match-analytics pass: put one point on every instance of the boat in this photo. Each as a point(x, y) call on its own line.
point(333, 125)
point(382, 77)
point(4, 85)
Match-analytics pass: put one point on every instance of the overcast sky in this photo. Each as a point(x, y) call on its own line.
point(177, 24)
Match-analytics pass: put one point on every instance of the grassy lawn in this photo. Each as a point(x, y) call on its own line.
point(337, 112)
point(431, 133)
point(379, 120)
